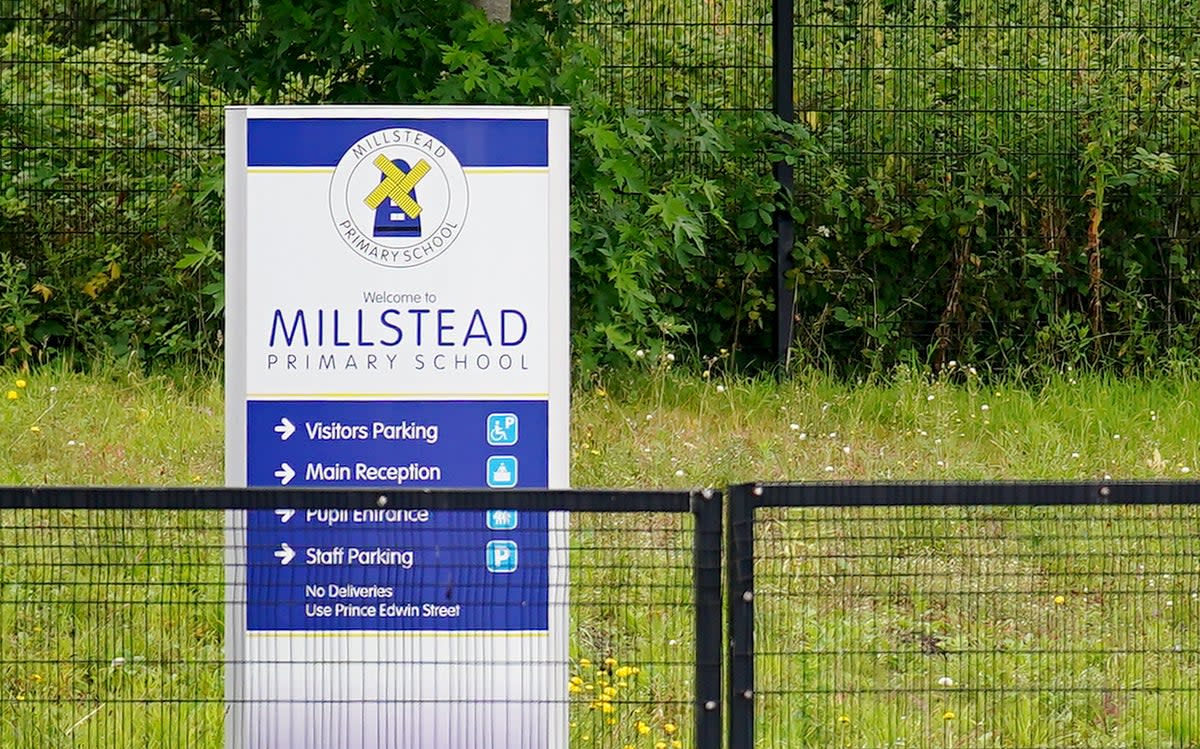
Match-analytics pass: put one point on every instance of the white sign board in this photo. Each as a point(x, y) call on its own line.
point(397, 316)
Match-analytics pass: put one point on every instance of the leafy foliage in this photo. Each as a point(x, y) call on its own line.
point(1015, 186)
point(116, 172)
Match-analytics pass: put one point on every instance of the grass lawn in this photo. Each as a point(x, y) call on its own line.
point(994, 627)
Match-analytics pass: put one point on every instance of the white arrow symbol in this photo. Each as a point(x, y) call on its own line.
point(285, 515)
point(285, 427)
point(284, 474)
point(285, 554)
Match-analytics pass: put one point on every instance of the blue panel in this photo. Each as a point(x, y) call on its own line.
point(392, 570)
point(322, 142)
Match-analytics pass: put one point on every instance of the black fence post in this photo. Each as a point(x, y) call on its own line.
point(706, 565)
point(739, 560)
point(783, 42)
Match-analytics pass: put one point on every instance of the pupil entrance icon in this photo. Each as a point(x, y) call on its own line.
point(397, 212)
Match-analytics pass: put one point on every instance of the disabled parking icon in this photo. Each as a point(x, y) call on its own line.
point(502, 429)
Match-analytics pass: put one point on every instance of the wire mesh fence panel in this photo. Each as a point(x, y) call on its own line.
point(111, 629)
point(114, 628)
point(980, 626)
point(666, 55)
point(1036, 151)
point(110, 175)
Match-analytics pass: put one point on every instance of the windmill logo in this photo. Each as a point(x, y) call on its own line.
point(398, 197)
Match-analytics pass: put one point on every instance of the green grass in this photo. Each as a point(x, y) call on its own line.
point(107, 640)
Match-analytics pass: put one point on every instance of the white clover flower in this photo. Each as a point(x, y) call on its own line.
point(929, 397)
point(679, 472)
point(985, 407)
point(720, 388)
point(802, 436)
point(846, 449)
point(640, 353)
point(824, 231)
point(946, 681)
point(794, 427)
point(670, 357)
point(828, 469)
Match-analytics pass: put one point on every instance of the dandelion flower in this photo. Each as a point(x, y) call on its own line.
point(21, 383)
point(660, 745)
point(11, 395)
point(1060, 600)
point(610, 662)
point(844, 720)
point(670, 728)
point(948, 715)
point(585, 663)
point(624, 672)
point(676, 743)
point(35, 429)
point(642, 727)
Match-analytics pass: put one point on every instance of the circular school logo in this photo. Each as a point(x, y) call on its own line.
point(398, 197)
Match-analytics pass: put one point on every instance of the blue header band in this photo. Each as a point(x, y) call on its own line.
point(322, 142)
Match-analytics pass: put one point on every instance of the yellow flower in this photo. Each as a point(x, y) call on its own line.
point(585, 663)
point(607, 707)
point(610, 692)
point(676, 743)
point(948, 715)
point(1060, 599)
point(21, 383)
point(844, 720)
point(660, 745)
point(35, 677)
point(670, 728)
point(624, 672)
point(642, 727)
point(610, 662)
point(577, 680)
point(11, 395)
point(574, 688)
point(35, 429)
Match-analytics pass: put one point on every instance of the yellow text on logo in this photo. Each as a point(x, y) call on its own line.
point(397, 185)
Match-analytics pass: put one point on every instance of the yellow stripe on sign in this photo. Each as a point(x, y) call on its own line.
point(397, 185)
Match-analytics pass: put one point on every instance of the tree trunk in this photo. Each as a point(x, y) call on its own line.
point(496, 10)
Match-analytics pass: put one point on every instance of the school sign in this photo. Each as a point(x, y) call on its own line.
point(397, 318)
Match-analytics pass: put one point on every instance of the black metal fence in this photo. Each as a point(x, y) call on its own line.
point(114, 613)
point(945, 615)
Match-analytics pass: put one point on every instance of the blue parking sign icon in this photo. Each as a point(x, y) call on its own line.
point(502, 556)
point(502, 429)
point(502, 471)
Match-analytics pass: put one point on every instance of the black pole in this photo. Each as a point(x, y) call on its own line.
point(739, 581)
point(783, 41)
point(706, 582)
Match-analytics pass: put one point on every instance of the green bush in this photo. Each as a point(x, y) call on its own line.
point(115, 173)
